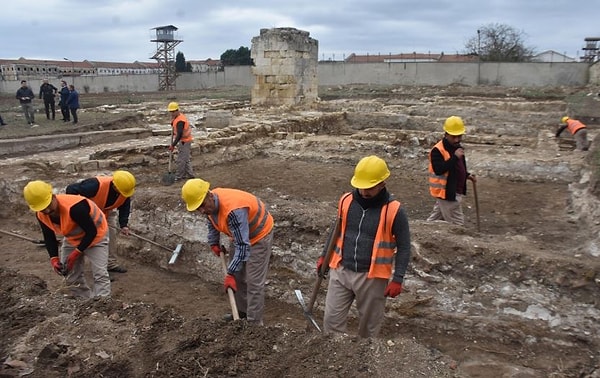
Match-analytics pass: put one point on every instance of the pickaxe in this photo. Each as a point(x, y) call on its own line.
point(38, 242)
point(175, 252)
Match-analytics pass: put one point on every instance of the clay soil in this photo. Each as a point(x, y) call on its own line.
point(515, 296)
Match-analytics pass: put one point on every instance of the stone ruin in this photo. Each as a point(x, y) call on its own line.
point(285, 67)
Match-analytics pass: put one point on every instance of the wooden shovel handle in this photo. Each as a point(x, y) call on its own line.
point(328, 252)
point(476, 205)
point(234, 310)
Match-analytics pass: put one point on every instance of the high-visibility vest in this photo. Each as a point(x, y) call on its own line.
point(437, 183)
point(260, 221)
point(384, 245)
point(102, 195)
point(67, 227)
point(574, 126)
point(186, 136)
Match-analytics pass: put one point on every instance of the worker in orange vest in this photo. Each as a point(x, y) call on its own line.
point(373, 246)
point(448, 174)
point(182, 138)
point(85, 231)
point(248, 223)
point(112, 194)
point(577, 129)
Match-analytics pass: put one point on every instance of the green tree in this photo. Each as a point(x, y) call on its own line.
point(239, 57)
point(499, 43)
point(180, 64)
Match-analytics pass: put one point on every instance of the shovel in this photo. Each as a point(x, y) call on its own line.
point(175, 252)
point(34, 241)
point(321, 274)
point(234, 309)
point(307, 313)
point(169, 177)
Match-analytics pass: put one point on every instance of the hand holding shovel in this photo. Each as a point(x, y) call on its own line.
point(234, 310)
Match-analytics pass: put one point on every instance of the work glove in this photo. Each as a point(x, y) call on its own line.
point(171, 147)
point(125, 231)
point(56, 265)
point(320, 264)
point(393, 289)
point(229, 283)
point(73, 257)
point(216, 249)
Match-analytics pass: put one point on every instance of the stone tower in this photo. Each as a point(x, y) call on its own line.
point(285, 67)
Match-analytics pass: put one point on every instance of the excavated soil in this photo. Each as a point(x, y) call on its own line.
point(515, 293)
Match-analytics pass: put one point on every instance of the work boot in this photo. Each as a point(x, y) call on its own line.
point(117, 269)
point(229, 317)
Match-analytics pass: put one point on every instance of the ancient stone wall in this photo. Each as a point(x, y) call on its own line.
point(285, 67)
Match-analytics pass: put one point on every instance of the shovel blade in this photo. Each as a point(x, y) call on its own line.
point(307, 314)
point(168, 178)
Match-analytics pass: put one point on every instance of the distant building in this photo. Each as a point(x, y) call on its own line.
point(116, 68)
point(208, 65)
point(410, 58)
point(25, 69)
point(551, 56)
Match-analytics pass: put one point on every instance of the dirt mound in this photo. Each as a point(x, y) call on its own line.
point(54, 336)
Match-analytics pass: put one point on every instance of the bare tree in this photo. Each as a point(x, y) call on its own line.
point(499, 43)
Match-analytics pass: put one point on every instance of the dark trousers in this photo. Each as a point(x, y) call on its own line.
point(49, 105)
point(65, 113)
point(74, 114)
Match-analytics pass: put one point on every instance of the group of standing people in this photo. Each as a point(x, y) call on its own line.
point(68, 102)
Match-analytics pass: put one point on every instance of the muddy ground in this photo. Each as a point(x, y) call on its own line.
point(513, 295)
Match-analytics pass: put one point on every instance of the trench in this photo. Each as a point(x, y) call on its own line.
point(527, 283)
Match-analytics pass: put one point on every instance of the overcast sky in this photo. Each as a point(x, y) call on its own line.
point(121, 30)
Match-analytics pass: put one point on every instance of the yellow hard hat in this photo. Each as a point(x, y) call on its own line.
point(124, 182)
point(564, 119)
point(193, 193)
point(173, 106)
point(38, 195)
point(454, 126)
point(369, 171)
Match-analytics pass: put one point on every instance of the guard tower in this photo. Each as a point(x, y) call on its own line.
point(165, 56)
point(591, 52)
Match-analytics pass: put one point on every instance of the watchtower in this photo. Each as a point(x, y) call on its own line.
point(165, 56)
point(591, 51)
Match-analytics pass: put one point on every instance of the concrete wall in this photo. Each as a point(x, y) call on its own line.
point(236, 75)
point(595, 74)
point(340, 73)
point(429, 73)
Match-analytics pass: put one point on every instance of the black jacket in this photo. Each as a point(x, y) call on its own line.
point(441, 166)
point(48, 91)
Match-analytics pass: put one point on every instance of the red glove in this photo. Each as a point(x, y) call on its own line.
point(171, 147)
point(320, 264)
point(56, 265)
point(73, 257)
point(229, 283)
point(393, 289)
point(216, 250)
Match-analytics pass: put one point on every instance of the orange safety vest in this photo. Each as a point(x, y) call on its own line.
point(260, 221)
point(67, 227)
point(186, 136)
point(574, 126)
point(384, 245)
point(437, 183)
point(102, 195)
